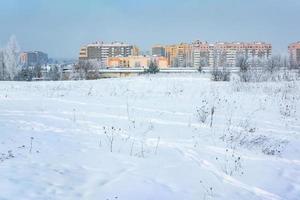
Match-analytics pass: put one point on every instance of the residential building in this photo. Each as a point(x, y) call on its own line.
point(114, 62)
point(129, 62)
point(102, 51)
point(137, 62)
point(33, 58)
point(160, 61)
point(200, 54)
point(224, 53)
point(294, 53)
point(159, 51)
point(179, 55)
point(227, 53)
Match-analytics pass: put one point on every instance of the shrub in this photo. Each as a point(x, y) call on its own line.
point(153, 68)
point(220, 74)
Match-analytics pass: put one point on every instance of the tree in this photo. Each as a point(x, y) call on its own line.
point(203, 63)
point(37, 71)
point(2, 66)
point(274, 64)
point(86, 69)
point(244, 68)
point(222, 74)
point(153, 68)
point(11, 59)
point(25, 74)
point(54, 73)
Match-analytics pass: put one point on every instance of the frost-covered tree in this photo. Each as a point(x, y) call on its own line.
point(220, 74)
point(54, 73)
point(25, 74)
point(244, 68)
point(203, 63)
point(274, 64)
point(11, 59)
point(2, 66)
point(86, 69)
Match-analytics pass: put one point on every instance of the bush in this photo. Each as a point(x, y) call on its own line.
point(86, 69)
point(244, 68)
point(153, 68)
point(220, 74)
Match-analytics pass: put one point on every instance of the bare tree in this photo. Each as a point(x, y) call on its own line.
point(244, 68)
point(86, 69)
point(222, 74)
point(54, 73)
point(274, 64)
point(203, 62)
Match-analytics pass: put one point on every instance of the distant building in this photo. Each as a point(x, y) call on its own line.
point(294, 53)
point(33, 58)
point(158, 50)
point(161, 62)
point(129, 62)
point(114, 62)
point(179, 55)
point(102, 51)
point(200, 54)
point(137, 62)
point(227, 53)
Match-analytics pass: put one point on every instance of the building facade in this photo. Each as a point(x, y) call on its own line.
point(227, 53)
point(179, 55)
point(160, 61)
point(102, 51)
point(136, 62)
point(159, 51)
point(294, 53)
point(33, 58)
point(129, 62)
point(200, 54)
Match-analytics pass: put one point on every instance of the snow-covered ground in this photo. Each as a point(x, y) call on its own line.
point(150, 138)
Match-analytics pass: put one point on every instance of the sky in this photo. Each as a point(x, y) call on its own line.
point(60, 27)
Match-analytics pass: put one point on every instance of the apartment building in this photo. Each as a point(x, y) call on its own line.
point(102, 51)
point(294, 53)
point(33, 58)
point(179, 55)
point(160, 61)
point(200, 54)
point(129, 62)
point(136, 62)
point(227, 53)
point(158, 50)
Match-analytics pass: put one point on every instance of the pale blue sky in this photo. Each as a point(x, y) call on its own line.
point(60, 27)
